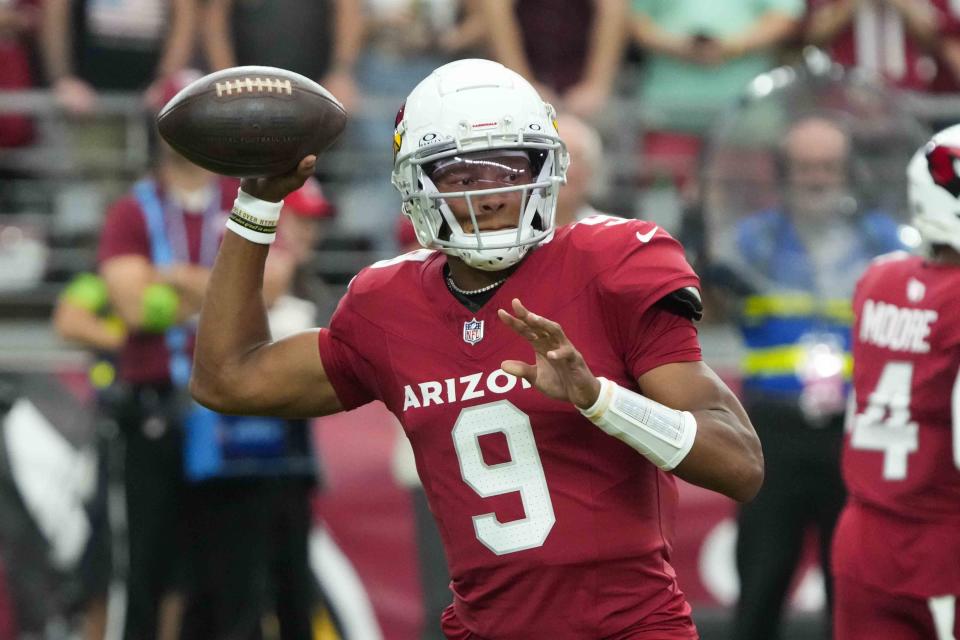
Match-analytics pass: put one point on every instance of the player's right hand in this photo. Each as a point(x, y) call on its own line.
point(276, 188)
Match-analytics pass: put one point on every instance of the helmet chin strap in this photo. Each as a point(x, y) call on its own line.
point(491, 259)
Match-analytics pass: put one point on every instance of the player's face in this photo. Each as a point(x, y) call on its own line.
point(480, 172)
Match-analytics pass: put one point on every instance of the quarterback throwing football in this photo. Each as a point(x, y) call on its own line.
point(551, 476)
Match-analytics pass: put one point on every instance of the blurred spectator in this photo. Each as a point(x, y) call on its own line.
point(790, 270)
point(266, 495)
point(18, 19)
point(274, 33)
point(250, 529)
point(570, 50)
point(911, 44)
point(297, 598)
point(121, 45)
point(156, 249)
point(173, 525)
point(700, 55)
point(586, 162)
point(259, 33)
point(404, 41)
point(150, 300)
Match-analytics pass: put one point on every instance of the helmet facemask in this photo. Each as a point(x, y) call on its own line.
point(491, 180)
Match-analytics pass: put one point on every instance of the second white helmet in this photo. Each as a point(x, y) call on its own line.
point(933, 189)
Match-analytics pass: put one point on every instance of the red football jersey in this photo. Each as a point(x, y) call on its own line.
point(901, 459)
point(552, 529)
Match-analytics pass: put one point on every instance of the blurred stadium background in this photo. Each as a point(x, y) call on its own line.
point(59, 170)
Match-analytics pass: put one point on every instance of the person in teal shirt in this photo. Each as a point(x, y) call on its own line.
point(702, 53)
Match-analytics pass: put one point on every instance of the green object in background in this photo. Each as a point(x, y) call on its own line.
point(113, 324)
point(160, 305)
point(87, 291)
point(102, 374)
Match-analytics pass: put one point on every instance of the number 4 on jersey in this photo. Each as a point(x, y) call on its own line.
point(885, 425)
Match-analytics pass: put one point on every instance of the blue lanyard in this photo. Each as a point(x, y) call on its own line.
point(163, 254)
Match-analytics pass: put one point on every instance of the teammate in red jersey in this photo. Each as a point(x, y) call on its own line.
point(897, 547)
point(553, 528)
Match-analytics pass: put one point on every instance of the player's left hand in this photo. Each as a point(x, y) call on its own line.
point(560, 371)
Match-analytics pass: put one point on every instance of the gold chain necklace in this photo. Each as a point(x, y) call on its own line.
point(465, 292)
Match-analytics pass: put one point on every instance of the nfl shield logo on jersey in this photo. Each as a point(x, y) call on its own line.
point(473, 331)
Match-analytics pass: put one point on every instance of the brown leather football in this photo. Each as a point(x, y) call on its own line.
point(251, 121)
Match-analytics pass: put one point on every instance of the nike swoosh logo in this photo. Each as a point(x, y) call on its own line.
point(645, 238)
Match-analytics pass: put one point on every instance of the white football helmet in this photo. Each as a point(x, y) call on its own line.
point(464, 107)
point(933, 187)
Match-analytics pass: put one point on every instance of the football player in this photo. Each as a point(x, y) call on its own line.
point(552, 481)
point(897, 544)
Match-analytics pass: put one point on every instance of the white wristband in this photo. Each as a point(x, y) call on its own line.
point(664, 435)
point(253, 218)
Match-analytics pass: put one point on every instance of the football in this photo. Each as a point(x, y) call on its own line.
point(251, 121)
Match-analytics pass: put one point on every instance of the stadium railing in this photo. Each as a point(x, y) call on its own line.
point(55, 188)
